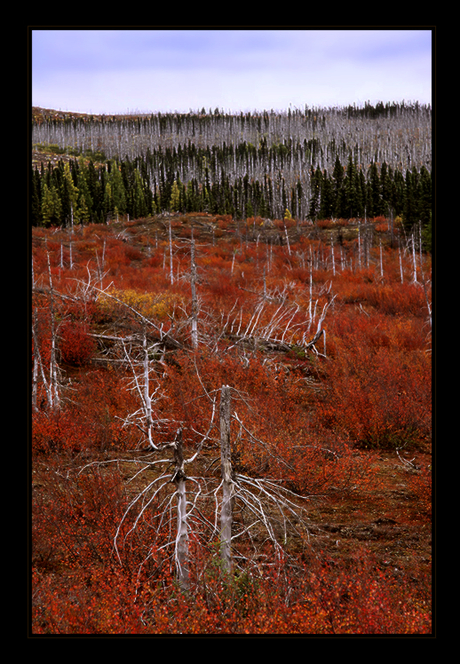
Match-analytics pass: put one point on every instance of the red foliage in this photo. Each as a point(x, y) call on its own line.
point(78, 588)
point(317, 423)
point(89, 421)
point(324, 223)
point(323, 597)
point(377, 398)
point(76, 345)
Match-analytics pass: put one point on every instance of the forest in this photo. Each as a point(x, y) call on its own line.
point(230, 373)
point(321, 164)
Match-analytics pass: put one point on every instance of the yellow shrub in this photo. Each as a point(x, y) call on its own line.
point(150, 305)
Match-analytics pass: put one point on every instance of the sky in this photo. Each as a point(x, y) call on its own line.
point(157, 70)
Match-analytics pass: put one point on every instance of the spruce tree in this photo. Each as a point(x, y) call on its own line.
point(316, 180)
point(69, 197)
point(108, 205)
point(118, 188)
point(84, 201)
point(411, 204)
point(351, 203)
point(35, 205)
point(139, 208)
point(374, 203)
point(327, 198)
point(51, 206)
point(362, 198)
point(299, 199)
point(398, 195)
point(174, 203)
point(424, 195)
point(337, 193)
point(386, 188)
point(190, 202)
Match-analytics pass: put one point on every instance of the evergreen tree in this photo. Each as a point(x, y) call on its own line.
point(108, 206)
point(386, 188)
point(326, 210)
point(35, 205)
point(69, 197)
point(95, 192)
point(424, 196)
point(352, 201)
point(411, 204)
point(315, 199)
point(398, 193)
point(51, 206)
point(174, 204)
point(337, 196)
point(191, 197)
point(293, 207)
point(299, 199)
point(362, 193)
point(84, 200)
point(139, 208)
point(117, 189)
point(373, 201)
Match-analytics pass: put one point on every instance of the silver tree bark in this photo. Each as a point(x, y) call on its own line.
point(227, 480)
point(181, 552)
point(53, 394)
point(171, 274)
point(194, 298)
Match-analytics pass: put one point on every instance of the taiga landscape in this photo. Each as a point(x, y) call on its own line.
point(231, 371)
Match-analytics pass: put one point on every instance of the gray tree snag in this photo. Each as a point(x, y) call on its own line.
point(181, 549)
point(227, 479)
point(54, 399)
point(194, 298)
point(142, 383)
point(171, 274)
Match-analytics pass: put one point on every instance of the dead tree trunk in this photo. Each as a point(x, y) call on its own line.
point(53, 393)
point(171, 274)
point(227, 480)
point(181, 549)
point(194, 298)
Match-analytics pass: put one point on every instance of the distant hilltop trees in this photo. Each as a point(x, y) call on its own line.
point(317, 163)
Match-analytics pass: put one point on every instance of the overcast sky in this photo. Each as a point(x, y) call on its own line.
point(150, 70)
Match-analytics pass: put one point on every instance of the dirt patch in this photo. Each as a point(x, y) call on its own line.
point(392, 521)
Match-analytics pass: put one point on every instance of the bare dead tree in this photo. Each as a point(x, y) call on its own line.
point(182, 536)
point(227, 479)
point(38, 365)
point(281, 331)
point(171, 270)
point(142, 381)
point(164, 336)
point(414, 260)
point(194, 297)
point(52, 388)
point(270, 507)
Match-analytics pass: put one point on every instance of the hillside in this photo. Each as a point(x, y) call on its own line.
point(317, 164)
point(231, 372)
point(322, 331)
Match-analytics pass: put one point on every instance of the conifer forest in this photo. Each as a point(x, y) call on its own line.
point(231, 372)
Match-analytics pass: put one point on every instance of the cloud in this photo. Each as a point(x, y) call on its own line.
point(115, 70)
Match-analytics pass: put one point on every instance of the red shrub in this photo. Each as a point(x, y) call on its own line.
point(324, 223)
point(76, 345)
point(378, 398)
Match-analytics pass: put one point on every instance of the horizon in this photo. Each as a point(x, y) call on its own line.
point(257, 111)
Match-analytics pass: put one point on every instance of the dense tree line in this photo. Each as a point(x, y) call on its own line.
point(81, 191)
point(397, 133)
point(317, 163)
